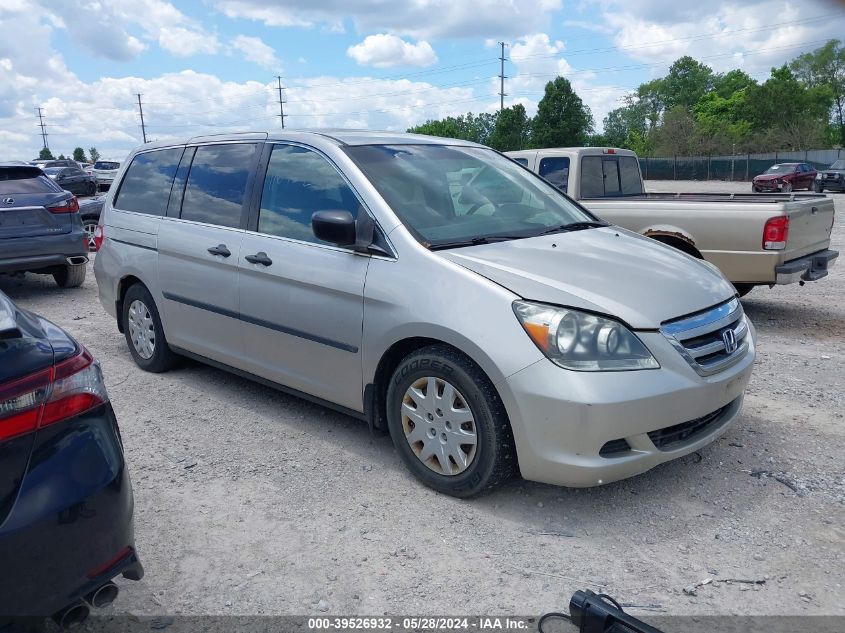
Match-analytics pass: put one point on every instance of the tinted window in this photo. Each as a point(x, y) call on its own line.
point(629, 173)
point(25, 180)
point(217, 184)
point(592, 180)
point(102, 164)
point(146, 185)
point(300, 182)
point(556, 171)
point(522, 161)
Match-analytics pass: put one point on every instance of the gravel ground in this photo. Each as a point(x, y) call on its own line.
point(252, 502)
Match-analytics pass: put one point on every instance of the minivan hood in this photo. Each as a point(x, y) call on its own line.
point(607, 270)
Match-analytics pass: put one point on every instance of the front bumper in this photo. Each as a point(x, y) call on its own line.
point(562, 419)
point(71, 517)
point(809, 268)
point(768, 185)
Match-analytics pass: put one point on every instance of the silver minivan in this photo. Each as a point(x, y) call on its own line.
point(432, 287)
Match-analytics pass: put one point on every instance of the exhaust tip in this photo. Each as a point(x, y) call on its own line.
point(72, 616)
point(103, 596)
point(77, 260)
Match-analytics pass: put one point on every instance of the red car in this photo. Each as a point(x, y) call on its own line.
point(785, 177)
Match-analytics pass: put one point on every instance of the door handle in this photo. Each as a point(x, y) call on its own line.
point(259, 258)
point(220, 249)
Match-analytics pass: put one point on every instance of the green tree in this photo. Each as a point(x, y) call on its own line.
point(45, 154)
point(788, 113)
point(687, 81)
point(469, 127)
point(562, 120)
point(62, 157)
point(627, 123)
point(512, 129)
point(79, 155)
point(731, 82)
point(725, 121)
point(93, 154)
point(652, 96)
point(825, 66)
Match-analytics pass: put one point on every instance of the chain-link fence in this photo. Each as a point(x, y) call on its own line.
point(738, 167)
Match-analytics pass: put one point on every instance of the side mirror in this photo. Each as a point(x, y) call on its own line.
point(335, 227)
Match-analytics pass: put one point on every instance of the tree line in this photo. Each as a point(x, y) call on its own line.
point(690, 111)
point(78, 155)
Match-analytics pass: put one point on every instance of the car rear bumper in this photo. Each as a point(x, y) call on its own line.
point(809, 268)
point(44, 251)
point(70, 528)
point(584, 429)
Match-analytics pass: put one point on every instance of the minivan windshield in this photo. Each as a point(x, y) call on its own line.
point(458, 196)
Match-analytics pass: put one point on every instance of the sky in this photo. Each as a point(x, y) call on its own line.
point(210, 66)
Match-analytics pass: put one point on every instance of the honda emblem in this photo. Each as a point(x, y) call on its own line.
point(729, 339)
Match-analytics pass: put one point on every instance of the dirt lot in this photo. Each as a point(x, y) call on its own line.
point(253, 502)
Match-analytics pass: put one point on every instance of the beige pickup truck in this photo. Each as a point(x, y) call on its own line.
point(754, 239)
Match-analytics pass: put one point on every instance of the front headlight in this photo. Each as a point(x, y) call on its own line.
point(582, 341)
point(819, 176)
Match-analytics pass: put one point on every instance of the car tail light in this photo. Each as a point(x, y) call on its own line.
point(775, 233)
point(51, 395)
point(99, 236)
point(65, 206)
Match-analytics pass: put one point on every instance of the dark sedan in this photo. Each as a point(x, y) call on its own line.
point(65, 497)
point(832, 178)
point(73, 179)
point(785, 177)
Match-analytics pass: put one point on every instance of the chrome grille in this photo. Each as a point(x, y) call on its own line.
point(705, 339)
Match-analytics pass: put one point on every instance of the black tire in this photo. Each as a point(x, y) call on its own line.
point(70, 276)
point(755, 189)
point(818, 188)
point(494, 460)
point(90, 189)
point(743, 289)
point(162, 358)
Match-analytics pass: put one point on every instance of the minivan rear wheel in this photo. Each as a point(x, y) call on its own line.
point(143, 331)
point(448, 423)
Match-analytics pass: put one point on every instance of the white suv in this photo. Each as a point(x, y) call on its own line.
point(105, 171)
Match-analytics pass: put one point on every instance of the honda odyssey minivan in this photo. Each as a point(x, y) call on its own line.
point(432, 287)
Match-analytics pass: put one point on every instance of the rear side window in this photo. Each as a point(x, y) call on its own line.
point(300, 182)
point(556, 171)
point(216, 185)
point(522, 161)
point(101, 164)
point(629, 174)
point(25, 180)
point(146, 184)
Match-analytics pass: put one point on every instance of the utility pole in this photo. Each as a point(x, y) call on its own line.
point(141, 111)
point(502, 94)
point(281, 102)
point(43, 128)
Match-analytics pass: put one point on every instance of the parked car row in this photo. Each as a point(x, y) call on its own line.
point(94, 178)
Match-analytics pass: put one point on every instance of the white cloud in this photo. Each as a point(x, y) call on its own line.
point(256, 51)
point(185, 42)
point(755, 35)
point(421, 19)
point(384, 50)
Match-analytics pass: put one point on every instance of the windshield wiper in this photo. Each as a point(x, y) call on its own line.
point(573, 226)
point(476, 241)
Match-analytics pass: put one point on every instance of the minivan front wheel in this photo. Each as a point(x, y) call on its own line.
point(143, 331)
point(448, 423)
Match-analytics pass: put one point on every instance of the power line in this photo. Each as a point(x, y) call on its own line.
point(43, 128)
point(502, 78)
point(141, 112)
point(281, 102)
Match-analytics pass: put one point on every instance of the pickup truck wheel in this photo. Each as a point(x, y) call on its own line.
point(70, 276)
point(743, 289)
point(143, 331)
point(448, 423)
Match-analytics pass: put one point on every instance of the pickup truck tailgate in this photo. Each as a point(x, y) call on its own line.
point(810, 224)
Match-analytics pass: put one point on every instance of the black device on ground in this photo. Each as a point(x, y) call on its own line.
point(598, 613)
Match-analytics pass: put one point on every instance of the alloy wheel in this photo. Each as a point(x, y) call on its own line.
point(439, 426)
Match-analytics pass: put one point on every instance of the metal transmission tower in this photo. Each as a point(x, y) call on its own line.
point(141, 111)
point(502, 77)
point(43, 128)
point(282, 114)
